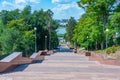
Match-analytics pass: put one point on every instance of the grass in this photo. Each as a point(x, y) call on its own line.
point(100, 51)
point(111, 52)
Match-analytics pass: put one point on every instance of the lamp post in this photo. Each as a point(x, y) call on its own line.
point(87, 42)
point(107, 38)
point(116, 35)
point(45, 42)
point(35, 39)
point(49, 36)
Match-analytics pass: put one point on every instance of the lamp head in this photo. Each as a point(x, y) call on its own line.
point(35, 28)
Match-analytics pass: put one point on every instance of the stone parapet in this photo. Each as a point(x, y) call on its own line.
point(104, 60)
point(15, 59)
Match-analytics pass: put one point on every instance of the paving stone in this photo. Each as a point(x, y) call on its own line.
point(64, 66)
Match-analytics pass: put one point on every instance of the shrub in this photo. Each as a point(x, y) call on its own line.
point(112, 49)
point(3, 56)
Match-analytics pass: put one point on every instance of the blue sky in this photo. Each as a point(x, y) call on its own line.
point(63, 9)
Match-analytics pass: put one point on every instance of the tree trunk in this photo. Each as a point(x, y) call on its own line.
point(96, 45)
point(102, 43)
point(103, 35)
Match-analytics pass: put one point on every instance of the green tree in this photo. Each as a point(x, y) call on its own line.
point(70, 27)
point(17, 30)
point(102, 9)
point(17, 38)
point(115, 25)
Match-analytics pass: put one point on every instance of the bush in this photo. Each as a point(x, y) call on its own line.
point(3, 56)
point(112, 49)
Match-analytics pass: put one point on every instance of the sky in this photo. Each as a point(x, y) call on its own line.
point(62, 9)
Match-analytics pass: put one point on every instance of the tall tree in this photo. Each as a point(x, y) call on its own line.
point(17, 37)
point(102, 9)
point(17, 30)
point(70, 27)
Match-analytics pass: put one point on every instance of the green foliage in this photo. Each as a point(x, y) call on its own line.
point(100, 51)
point(17, 30)
point(99, 15)
point(8, 41)
point(3, 56)
point(61, 35)
point(86, 27)
point(112, 49)
point(54, 39)
point(70, 27)
point(16, 38)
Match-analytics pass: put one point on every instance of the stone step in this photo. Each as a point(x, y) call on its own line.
point(64, 66)
point(57, 78)
point(71, 61)
point(80, 69)
point(67, 54)
point(67, 58)
point(61, 76)
point(49, 78)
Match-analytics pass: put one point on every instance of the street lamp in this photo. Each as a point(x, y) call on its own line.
point(87, 43)
point(49, 36)
point(107, 38)
point(45, 42)
point(116, 34)
point(87, 37)
point(35, 39)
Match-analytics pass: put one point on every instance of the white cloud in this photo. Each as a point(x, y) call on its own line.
point(5, 3)
point(62, 7)
point(20, 1)
point(61, 1)
point(26, 1)
point(20, 4)
point(35, 1)
point(67, 10)
point(9, 6)
point(55, 1)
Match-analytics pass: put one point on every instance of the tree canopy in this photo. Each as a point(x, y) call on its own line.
point(17, 30)
point(69, 28)
point(99, 15)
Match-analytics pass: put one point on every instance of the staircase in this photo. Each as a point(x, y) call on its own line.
point(64, 66)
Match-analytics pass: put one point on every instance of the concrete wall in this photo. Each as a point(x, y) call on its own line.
point(15, 59)
point(102, 59)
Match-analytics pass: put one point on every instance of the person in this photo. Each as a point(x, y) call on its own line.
point(75, 50)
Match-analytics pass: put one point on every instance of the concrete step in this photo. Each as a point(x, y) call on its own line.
point(66, 58)
point(64, 66)
point(67, 54)
point(71, 61)
point(61, 76)
point(46, 78)
point(61, 65)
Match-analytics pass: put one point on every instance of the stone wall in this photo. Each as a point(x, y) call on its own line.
point(15, 59)
point(103, 60)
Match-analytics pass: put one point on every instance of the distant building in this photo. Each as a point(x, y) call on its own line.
point(63, 21)
point(61, 40)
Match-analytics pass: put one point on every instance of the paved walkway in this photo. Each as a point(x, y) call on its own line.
point(64, 66)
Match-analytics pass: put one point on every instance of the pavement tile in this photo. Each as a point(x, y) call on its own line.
point(64, 66)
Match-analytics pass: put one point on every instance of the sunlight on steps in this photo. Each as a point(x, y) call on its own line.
point(64, 66)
